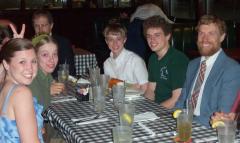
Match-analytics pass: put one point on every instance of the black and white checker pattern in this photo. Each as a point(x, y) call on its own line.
point(159, 130)
point(82, 62)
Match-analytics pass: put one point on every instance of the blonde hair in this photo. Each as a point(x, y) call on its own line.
point(114, 27)
point(41, 40)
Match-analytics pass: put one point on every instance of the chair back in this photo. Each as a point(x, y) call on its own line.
point(236, 105)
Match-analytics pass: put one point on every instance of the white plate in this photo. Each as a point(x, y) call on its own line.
point(133, 94)
point(83, 81)
point(130, 92)
point(72, 79)
point(145, 117)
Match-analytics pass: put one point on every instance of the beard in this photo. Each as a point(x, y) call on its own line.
point(207, 52)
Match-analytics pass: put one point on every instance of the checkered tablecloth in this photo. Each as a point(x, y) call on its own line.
point(157, 131)
point(83, 61)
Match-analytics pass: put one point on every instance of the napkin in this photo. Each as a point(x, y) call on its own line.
point(204, 140)
point(63, 99)
point(81, 80)
point(147, 116)
point(92, 121)
point(84, 118)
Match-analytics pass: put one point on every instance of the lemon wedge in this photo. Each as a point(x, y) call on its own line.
point(176, 113)
point(127, 118)
point(217, 124)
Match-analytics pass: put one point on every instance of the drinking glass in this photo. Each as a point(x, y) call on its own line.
point(62, 76)
point(98, 98)
point(126, 114)
point(103, 81)
point(227, 133)
point(118, 92)
point(64, 67)
point(184, 125)
point(122, 134)
point(94, 74)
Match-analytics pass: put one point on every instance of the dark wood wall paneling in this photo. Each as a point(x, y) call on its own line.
point(75, 24)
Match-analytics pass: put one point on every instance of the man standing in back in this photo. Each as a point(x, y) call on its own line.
point(43, 23)
point(212, 80)
point(166, 66)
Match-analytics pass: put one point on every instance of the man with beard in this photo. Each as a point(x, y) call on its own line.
point(212, 80)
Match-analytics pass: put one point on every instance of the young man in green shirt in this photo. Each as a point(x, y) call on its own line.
point(167, 66)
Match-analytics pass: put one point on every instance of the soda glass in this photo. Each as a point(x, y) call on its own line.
point(184, 125)
point(103, 81)
point(126, 114)
point(118, 92)
point(98, 98)
point(62, 76)
point(122, 134)
point(94, 74)
point(227, 133)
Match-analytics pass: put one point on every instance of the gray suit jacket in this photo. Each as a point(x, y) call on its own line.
point(220, 89)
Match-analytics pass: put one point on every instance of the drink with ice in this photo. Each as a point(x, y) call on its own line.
point(226, 133)
point(184, 131)
point(184, 125)
point(122, 134)
point(226, 138)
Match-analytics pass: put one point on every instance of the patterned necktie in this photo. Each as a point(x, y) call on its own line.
point(198, 84)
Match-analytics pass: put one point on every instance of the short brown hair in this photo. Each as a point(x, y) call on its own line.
point(157, 22)
point(208, 19)
point(115, 27)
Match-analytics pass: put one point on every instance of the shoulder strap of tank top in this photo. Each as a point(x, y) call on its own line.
point(7, 98)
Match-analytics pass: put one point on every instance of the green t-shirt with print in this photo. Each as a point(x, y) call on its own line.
point(168, 73)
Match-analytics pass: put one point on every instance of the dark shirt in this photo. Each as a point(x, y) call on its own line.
point(136, 41)
point(168, 73)
point(65, 54)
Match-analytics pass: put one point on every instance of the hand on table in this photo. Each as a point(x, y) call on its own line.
point(217, 116)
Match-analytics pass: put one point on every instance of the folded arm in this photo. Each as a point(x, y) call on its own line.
point(170, 103)
point(149, 94)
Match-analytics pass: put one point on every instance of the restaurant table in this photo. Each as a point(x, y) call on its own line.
point(161, 130)
point(83, 60)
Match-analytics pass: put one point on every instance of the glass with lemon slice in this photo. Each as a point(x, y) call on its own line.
point(184, 124)
point(226, 131)
point(122, 134)
point(126, 114)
